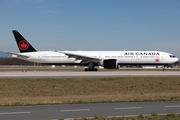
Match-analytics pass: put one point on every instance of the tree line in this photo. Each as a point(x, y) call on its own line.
point(14, 61)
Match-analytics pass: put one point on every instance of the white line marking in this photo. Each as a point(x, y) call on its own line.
point(14, 113)
point(128, 108)
point(173, 106)
point(75, 110)
point(77, 118)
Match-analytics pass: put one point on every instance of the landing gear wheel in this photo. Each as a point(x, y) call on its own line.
point(95, 69)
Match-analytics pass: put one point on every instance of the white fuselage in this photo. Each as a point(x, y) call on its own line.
point(122, 57)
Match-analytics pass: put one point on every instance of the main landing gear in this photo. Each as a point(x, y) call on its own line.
point(91, 67)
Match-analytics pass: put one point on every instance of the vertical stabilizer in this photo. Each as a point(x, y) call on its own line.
point(22, 43)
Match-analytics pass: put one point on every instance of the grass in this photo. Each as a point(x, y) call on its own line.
point(139, 117)
point(46, 91)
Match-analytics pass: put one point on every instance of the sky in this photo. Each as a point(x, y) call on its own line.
point(93, 25)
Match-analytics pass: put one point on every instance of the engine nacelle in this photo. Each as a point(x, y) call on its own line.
point(110, 64)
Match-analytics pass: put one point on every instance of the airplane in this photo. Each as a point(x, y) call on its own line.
point(106, 59)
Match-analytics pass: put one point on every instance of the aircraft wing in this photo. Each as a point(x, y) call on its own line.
point(17, 54)
point(82, 57)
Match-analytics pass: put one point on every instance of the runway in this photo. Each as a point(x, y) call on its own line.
point(88, 110)
point(47, 74)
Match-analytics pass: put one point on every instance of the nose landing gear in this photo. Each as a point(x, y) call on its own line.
point(164, 68)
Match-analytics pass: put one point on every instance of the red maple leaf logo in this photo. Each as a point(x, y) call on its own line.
point(157, 60)
point(23, 45)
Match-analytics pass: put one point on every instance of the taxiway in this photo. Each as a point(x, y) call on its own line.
point(88, 110)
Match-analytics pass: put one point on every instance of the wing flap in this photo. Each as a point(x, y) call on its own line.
point(82, 57)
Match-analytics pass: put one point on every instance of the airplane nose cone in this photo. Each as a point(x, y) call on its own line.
point(177, 60)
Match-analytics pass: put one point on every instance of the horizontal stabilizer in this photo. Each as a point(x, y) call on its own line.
point(17, 54)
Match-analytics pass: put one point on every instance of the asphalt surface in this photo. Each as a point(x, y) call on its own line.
point(88, 110)
point(46, 74)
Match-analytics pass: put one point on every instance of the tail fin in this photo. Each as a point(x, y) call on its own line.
point(23, 44)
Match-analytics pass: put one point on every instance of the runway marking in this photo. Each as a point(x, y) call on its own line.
point(14, 113)
point(75, 110)
point(125, 108)
point(173, 106)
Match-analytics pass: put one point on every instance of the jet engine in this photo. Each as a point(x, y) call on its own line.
point(109, 63)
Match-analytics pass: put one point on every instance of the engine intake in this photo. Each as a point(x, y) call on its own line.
point(110, 64)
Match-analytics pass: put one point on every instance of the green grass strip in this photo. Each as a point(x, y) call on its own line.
point(45, 91)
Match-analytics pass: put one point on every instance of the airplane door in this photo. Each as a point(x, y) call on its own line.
point(100, 56)
point(137, 57)
point(39, 57)
point(162, 57)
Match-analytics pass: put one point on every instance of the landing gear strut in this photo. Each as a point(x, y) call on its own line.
point(91, 67)
point(164, 68)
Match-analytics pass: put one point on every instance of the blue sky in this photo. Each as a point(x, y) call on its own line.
point(92, 24)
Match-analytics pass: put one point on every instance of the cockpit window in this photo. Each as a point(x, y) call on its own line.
point(172, 56)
